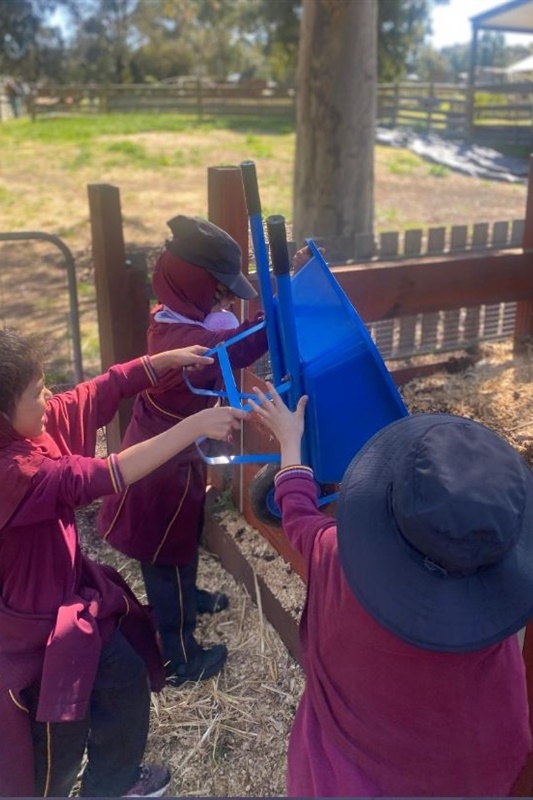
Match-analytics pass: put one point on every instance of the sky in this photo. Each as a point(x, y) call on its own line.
point(451, 23)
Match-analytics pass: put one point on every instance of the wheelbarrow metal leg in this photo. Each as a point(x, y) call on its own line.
point(253, 204)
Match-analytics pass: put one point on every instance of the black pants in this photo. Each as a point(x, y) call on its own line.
point(114, 731)
point(171, 592)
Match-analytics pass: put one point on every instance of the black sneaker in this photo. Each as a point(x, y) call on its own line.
point(152, 781)
point(210, 602)
point(205, 663)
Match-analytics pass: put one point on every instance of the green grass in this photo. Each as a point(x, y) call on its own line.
point(77, 130)
point(258, 148)
point(7, 197)
point(403, 163)
point(438, 171)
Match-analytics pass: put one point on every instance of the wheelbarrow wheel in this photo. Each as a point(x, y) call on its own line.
point(262, 500)
point(262, 491)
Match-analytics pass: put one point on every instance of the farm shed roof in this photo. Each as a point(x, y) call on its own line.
point(524, 65)
point(515, 16)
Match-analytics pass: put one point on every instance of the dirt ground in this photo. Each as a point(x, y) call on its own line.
point(47, 189)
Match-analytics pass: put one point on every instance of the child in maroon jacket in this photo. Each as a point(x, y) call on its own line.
point(76, 647)
point(159, 520)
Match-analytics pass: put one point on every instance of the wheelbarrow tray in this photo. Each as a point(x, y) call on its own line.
point(351, 393)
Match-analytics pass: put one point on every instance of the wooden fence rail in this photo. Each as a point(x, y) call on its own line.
point(500, 114)
point(194, 97)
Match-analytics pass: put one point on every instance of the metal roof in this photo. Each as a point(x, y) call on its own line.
point(515, 16)
point(525, 65)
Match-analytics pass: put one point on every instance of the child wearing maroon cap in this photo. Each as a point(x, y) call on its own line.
point(78, 653)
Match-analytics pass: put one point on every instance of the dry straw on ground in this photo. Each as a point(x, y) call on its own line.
point(227, 736)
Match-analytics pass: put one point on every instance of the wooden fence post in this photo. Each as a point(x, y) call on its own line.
point(226, 205)
point(121, 297)
point(523, 331)
point(227, 208)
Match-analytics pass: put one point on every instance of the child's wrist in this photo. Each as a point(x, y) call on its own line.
point(159, 363)
point(291, 453)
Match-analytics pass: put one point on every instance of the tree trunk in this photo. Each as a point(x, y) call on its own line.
point(336, 113)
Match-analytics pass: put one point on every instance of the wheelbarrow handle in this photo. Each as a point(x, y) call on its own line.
point(277, 236)
point(251, 187)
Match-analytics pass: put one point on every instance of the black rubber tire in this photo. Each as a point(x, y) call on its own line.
point(261, 491)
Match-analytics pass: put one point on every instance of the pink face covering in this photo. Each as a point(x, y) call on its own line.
point(221, 321)
point(183, 287)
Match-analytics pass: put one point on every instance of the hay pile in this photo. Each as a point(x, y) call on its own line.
point(497, 390)
point(227, 736)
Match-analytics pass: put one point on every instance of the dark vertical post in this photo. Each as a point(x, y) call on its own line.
point(471, 88)
point(121, 298)
point(396, 106)
point(227, 208)
point(431, 97)
point(523, 331)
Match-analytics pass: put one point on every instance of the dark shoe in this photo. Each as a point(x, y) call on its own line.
point(210, 602)
point(152, 781)
point(205, 663)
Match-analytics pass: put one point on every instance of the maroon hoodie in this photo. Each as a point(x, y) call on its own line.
point(156, 520)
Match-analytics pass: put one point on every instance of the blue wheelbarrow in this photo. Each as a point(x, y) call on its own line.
point(318, 346)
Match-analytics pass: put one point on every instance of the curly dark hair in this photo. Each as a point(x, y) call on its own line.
point(21, 361)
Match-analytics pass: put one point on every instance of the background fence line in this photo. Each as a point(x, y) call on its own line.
point(502, 114)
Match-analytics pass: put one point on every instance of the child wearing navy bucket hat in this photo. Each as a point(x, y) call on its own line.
point(415, 681)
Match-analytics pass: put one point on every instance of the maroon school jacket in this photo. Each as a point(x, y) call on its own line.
point(156, 520)
point(57, 607)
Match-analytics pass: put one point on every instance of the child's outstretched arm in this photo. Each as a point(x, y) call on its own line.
point(73, 417)
point(287, 426)
point(212, 423)
point(296, 492)
point(191, 357)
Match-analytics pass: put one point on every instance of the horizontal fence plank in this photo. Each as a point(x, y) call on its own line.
point(405, 289)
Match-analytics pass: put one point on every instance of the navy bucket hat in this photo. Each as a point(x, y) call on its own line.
point(435, 533)
point(202, 243)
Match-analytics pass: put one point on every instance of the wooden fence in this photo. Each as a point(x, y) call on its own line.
point(499, 114)
point(194, 97)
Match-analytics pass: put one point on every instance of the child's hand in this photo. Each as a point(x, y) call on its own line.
point(219, 423)
point(287, 426)
point(191, 357)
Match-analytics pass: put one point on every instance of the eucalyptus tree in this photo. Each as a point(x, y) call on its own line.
point(336, 102)
point(25, 29)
